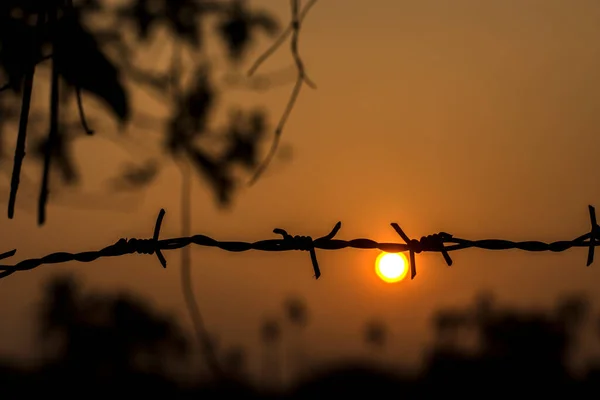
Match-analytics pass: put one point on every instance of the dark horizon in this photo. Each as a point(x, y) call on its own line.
point(114, 338)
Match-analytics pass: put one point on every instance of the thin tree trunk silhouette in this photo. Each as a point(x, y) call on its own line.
point(297, 315)
point(27, 88)
point(186, 275)
point(298, 355)
point(272, 368)
point(54, 121)
point(193, 309)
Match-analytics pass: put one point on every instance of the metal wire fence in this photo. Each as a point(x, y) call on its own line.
point(441, 242)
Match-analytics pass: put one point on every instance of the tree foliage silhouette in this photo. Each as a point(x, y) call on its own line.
point(81, 56)
point(107, 342)
point(100, 334)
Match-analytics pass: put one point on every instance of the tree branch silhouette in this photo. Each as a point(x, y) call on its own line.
point(302, 78)
point(54, 121)
point(23, 121)
point(79, 57)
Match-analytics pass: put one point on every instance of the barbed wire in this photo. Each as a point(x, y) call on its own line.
point(441, 242)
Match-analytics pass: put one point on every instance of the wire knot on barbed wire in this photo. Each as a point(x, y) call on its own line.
point(306, 243)
point(145, 246)
point(434, 243)
point(302, 243)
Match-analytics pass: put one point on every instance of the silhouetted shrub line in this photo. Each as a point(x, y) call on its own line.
point(432, 243)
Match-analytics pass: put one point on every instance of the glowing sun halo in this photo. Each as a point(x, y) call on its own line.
point(391, 267)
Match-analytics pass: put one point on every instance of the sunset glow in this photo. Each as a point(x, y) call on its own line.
point(391, 267)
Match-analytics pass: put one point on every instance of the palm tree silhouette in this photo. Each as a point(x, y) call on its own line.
point(235, 362)
point(376, 336)
point(297, 314)
point(271, 337)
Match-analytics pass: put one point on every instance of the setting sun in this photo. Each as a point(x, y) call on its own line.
point(391, 267)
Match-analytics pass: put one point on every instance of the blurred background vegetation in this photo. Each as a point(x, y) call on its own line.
point(101, 343)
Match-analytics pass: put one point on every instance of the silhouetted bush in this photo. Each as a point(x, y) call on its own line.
point(98, 344)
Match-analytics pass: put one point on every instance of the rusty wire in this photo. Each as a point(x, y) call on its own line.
point(440, 242)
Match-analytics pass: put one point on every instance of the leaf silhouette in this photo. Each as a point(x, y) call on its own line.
point(82, 64)
point(200, 100)
point(245, 134)
point(191, 117)
point(182, 15)
point(18, 49)
point(238, 26)
point(217, 176)
point(143, 15)
point(136, 176)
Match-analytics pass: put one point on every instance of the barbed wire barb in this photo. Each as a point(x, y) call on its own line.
point(594, 227)
point(441, 242)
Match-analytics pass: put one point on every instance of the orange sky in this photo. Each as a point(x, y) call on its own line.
point(478, 119)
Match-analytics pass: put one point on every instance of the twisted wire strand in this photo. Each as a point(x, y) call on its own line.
point(441, 242)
